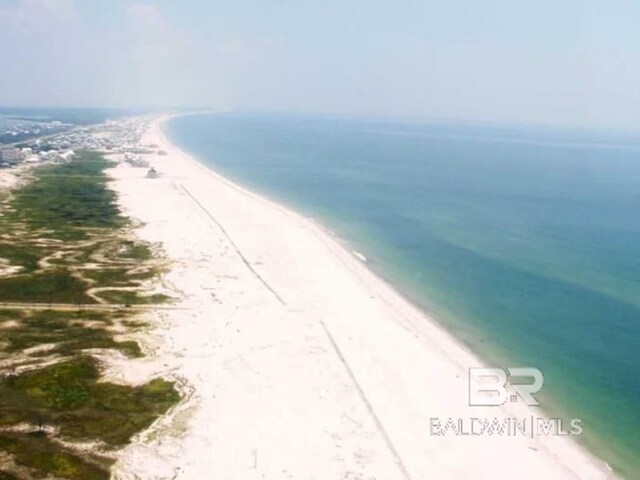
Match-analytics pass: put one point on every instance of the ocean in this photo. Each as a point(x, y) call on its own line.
point(522, 241)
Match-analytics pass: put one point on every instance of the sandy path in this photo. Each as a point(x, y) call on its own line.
point(301, 363)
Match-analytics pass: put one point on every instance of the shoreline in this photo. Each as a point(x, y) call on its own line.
point(383, 357)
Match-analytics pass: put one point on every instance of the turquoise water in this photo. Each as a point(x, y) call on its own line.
point(524, 242)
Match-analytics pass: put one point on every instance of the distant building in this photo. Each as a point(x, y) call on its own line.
point(10, 155)
point(56, 156)
point(66, 156)
point(50, 156)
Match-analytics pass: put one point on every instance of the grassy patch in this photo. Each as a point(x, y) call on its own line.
point(40, 455)
point(70, 396)
point(24, 256)
point(108, 276)
point(65, 232)
point(69, 332)
point(55, 286)
point(68, 200)
point(7, 476)
point(126, 297)
point(68, 211)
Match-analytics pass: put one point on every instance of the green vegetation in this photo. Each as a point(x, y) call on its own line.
point(69, 332)
point(38, 454)
point(125, 297)
point(24, 256)
point(68, 200)
point(7, 476)
point(45, 287)
point(69, 395)
point(65, 234)
point(63, 241)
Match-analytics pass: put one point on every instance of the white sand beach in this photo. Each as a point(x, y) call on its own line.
point(296, 361)
point(9, 178)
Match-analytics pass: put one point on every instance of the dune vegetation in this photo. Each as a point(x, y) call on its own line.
point(65, 250)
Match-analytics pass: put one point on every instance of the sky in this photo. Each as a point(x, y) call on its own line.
point(568, 62)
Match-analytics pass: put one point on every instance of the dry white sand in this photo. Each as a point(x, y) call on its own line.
point(10, 178)
point(298, 362)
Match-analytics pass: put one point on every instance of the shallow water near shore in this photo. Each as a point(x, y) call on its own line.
point(522, 242)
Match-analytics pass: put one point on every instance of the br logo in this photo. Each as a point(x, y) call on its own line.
point(495, 386)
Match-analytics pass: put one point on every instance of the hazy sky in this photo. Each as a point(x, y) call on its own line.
point(542, 61)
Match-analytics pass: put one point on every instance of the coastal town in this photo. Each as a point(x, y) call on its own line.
point(14, 130)
point(112, 137)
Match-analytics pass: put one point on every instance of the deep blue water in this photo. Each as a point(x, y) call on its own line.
point(524, 242)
